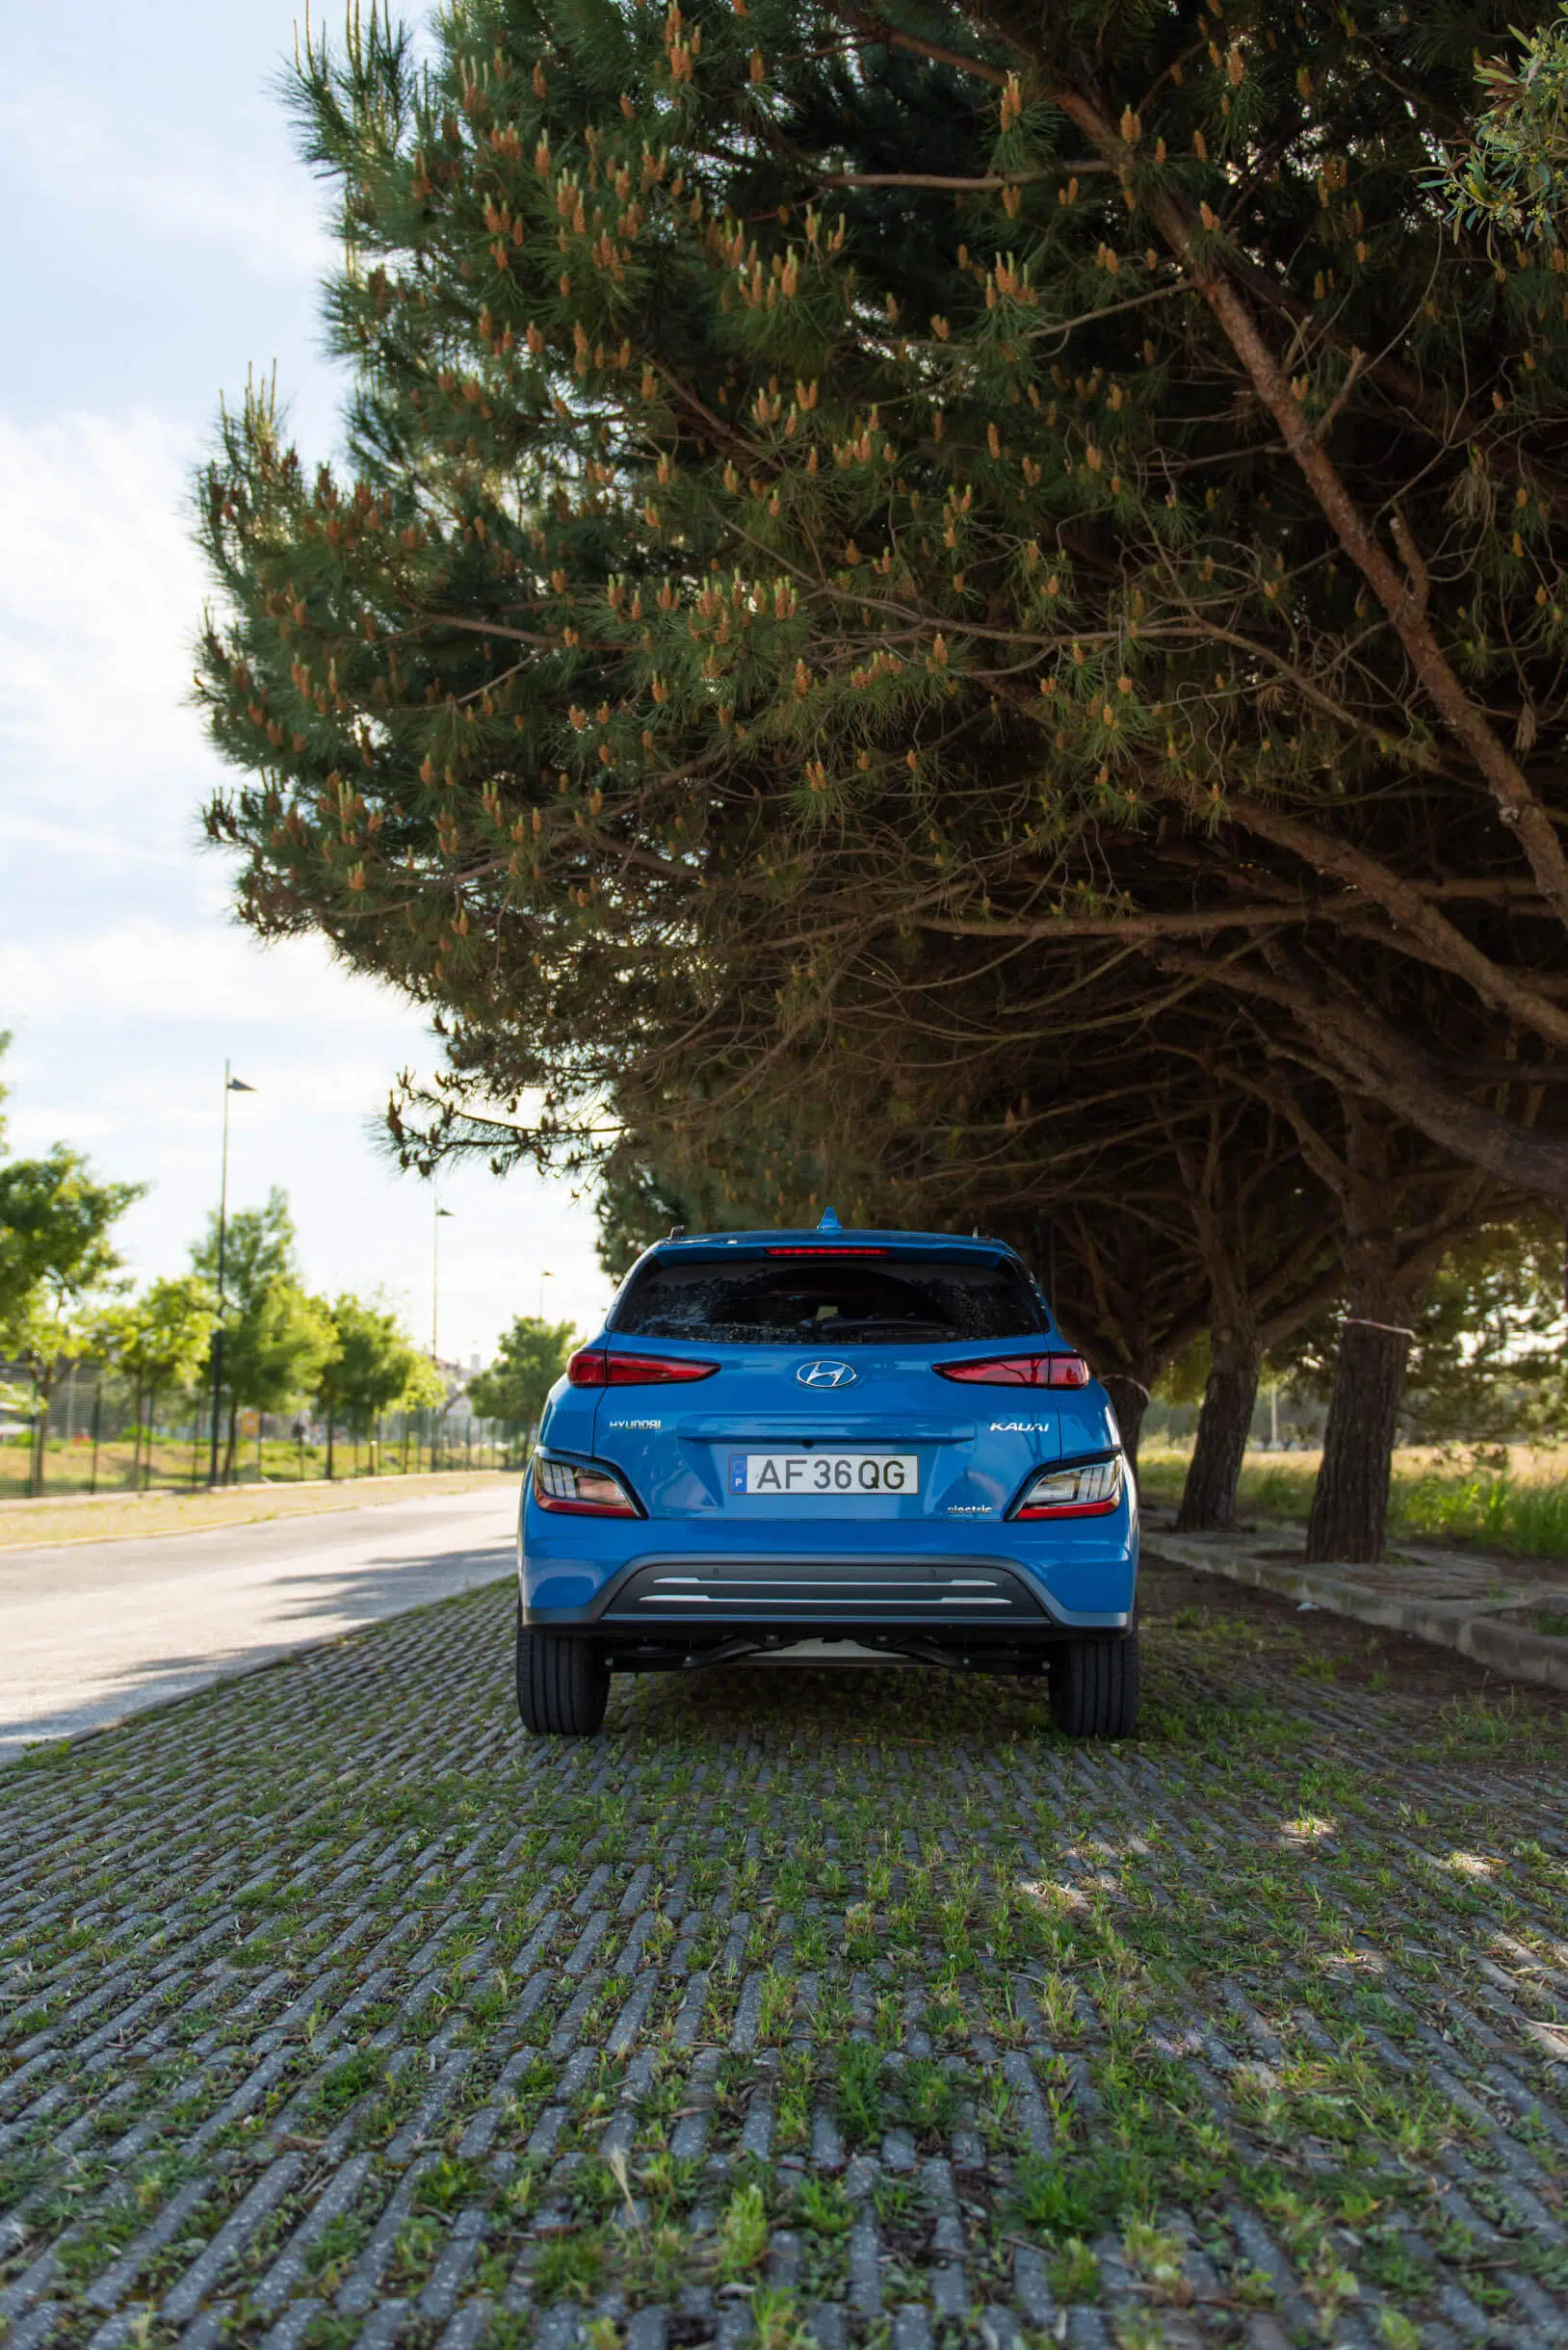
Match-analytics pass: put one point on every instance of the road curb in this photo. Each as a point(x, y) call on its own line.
point(1501, 1648)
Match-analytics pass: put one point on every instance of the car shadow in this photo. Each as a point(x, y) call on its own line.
point(849, 1704)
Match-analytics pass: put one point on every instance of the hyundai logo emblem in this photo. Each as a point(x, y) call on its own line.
point(826, 1374)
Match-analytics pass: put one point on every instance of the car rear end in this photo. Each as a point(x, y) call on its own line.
point(866, 1437)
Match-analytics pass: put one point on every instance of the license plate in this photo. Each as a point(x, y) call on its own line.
point(823, 1475)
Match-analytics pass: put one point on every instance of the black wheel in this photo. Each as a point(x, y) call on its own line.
point(562, 1683)
point(1094, 1688)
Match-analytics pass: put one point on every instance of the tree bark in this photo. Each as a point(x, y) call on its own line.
point(1402, 595)
point(329, 1435)
point(1349, 1501)
point(233, 1445)
point(1224, 1423)
point(1383, 1063)
point(1129, 1400)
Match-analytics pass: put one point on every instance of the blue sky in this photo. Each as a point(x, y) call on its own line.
point(162, 240)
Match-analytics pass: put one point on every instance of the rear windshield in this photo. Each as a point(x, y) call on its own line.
point(922, 1300)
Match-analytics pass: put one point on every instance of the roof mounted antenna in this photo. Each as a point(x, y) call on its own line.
point(830, 1222)
point(677, 1232)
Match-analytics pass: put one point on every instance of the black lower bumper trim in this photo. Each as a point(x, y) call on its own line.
point(886, 1592)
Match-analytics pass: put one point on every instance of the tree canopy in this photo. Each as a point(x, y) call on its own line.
point(1512, 177)
point(529, 1361)
point(916, 594)
point(56, 1256)
point(56, 1218)
point(844, 504)
point(159, 1341)
point(277, 1339)
point(367, 1368)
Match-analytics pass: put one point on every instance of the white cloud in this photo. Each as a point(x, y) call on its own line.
point(157, 971)
point(168, 181)
point(98, 848)
point(100, 598)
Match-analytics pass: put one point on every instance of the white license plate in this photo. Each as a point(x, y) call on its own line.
point(826, 1477)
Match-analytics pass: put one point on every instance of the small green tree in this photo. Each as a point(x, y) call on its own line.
point(368, 1370)
point(160, 1341)
point(425, 1390)
point(530, 1359)
point(275, 1339)
point(258, 1245)
point(274, 1354)
point(55, 1254)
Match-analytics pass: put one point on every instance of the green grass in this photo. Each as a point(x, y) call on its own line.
point(1494, 1509)
point(1499, 1512)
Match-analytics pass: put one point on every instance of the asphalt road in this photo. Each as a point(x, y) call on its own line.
point(93, 1630)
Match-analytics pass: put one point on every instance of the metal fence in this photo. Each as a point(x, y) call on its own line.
point(96, 1437)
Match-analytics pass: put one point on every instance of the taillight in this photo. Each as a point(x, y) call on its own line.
point(580, 1492)
point(1021, 1371)
point(598, 1367)
point(1091, 1491)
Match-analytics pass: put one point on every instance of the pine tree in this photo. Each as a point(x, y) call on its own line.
point(862, 524)
point(827, 479)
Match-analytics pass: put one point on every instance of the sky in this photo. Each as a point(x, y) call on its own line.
point(162, 242)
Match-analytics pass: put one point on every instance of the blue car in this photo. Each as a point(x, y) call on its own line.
point(868, 1437)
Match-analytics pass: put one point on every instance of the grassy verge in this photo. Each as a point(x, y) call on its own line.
point(1521, 1508)
point(25, 1525)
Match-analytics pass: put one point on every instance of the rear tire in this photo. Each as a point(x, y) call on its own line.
point(1094, 1688)
point(562, 1683)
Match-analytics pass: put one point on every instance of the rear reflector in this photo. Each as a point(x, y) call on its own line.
point(598, 1367)
point(579, 1492)
point(1092, 1491)
point(1021, 1371)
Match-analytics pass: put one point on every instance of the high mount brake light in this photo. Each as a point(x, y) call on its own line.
point(1091, 1491)
point(578, 1492)
point(598, 1367)
point(1020, 1370)
point(827, 1252)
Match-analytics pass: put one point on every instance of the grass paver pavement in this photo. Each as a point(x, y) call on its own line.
point(841, 2008)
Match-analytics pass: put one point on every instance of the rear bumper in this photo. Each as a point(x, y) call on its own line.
point(690, 1593)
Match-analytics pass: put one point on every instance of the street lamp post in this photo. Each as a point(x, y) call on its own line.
point(436, 1308)
point(231, 1085)
point(436, 1274)
point(544, 1276)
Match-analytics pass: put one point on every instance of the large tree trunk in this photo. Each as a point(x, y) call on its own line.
point(1349, 1501)
point(1224, 1423)
point(1129, 1400)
